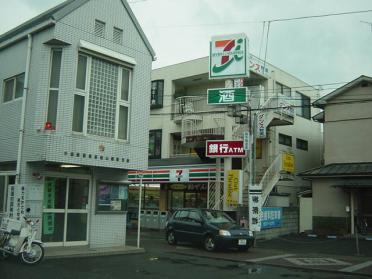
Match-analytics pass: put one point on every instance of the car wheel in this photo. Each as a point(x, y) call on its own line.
point(209, 243)
point(171, 238)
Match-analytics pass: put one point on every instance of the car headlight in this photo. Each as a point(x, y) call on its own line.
point(224, 233)
point(250, 233)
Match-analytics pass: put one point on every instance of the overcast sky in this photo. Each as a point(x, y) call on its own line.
point(318, 51)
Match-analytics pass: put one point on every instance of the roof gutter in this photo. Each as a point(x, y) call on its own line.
point(23, 112)
point(24, 35)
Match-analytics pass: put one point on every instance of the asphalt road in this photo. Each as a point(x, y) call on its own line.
point(159, 261)
point(165, 265)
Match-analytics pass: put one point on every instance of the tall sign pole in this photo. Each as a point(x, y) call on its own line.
point(139, 211)
point(228, 60)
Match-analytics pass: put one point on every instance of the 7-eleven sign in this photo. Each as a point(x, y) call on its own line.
point(179, 175)
point(228, 57)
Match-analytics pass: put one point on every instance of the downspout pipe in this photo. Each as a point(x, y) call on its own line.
point(23, 112)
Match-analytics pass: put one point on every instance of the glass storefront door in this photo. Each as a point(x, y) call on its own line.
point(65, 211)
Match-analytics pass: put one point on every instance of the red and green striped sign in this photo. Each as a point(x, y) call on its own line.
point(163, 175)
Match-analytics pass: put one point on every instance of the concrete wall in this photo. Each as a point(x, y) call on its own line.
point(13, 62)
point(346, 131)
point(329, 207)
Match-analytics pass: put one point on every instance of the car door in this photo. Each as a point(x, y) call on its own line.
point(180, 224)
point(194, 227)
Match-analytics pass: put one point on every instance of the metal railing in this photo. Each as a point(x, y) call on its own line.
point(271, 177)
point(281, 105)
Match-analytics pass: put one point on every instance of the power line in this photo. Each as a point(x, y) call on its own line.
point(261, 109)
point(263, 21)
point(322, 15)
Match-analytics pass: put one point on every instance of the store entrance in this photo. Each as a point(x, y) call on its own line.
point(65, 211)
point(187, 196)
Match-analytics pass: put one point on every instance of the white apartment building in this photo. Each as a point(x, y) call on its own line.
point(74, 110)
point(181, 121)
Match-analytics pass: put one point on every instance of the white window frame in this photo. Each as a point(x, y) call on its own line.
point(6, 175)
point(85, 94)
point(49, 80)
point(14, 78)
point(123, 103)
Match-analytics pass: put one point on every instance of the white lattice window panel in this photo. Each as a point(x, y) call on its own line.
point(102, 98)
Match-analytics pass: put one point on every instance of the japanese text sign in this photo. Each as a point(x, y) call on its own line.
point(225, 148)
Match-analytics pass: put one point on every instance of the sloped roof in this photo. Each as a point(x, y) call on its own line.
point(63, 9)
point(340, 169)
point(320, 103)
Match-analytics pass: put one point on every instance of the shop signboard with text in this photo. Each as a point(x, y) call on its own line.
point(234, 195)
point(288, 162)
point(271, 217)
point(228, 57)
point(225, 148)
point(227, 96)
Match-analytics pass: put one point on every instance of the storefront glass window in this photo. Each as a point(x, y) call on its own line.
point(112, 197)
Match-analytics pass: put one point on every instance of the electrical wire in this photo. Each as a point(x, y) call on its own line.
point(263, 21)
point(262, 109)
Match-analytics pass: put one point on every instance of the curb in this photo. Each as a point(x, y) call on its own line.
point(92, 253)
point(368, 238)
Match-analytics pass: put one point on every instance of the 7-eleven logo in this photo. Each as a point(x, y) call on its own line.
point(179, 175)
point(230, 51)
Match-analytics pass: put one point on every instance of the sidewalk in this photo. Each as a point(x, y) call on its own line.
point(85, 251)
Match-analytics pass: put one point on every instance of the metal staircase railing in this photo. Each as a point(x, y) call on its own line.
point(271, 177)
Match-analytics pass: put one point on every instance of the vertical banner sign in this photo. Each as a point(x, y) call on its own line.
point(16, 201)
point(246, 141)
point(48, 218)
point(288, 162)
point(261, 129)
point(255, 207)
point(234, 187)
point(228, 57)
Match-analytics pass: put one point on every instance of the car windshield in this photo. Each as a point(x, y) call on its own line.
point(217, 217)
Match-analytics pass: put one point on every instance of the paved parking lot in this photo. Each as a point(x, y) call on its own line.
point(335, 255)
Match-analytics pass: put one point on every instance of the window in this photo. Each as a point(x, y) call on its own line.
point(99, 28)
point(285, 140)
point(4, 182)
point(282, 89)
point(157, 90)
point(155, 144)
point(195, 217)
point(112, 197)
point(303, 107)
point(106, 112)
point(55, 73)
point(302, 144)
point(13, 88)
point(181, 215)
point(117, 36)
